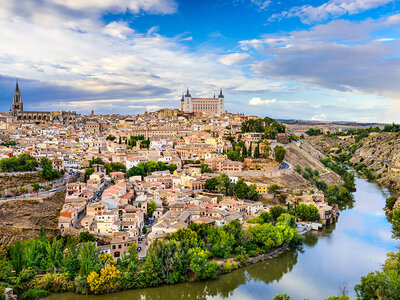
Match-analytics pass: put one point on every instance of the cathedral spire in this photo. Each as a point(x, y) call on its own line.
point(16, 86)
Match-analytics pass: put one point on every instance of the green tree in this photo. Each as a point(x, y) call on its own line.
point(173, 167)
point(244, 151)
point(274, 187)
point(222, 243)
point(307, 212)
point(151, 207)
point(250, 151)
point(252, 193)
point(265, 217)
point(5, 269)
point(279, 153)
point(205, 168)
point(201, 265)
point(136, 171)
point(283, 296)
point(211, 184)
point(133, 254)
point(288, 219)
point(54, 254)
point(86, 236)
point(241, 189)
point(276, 211)
point(16, 256)
point(71, 261)
point(88, 254)
point(36, 188)
point(32, 253)
point(223, 183)
point(256, 153)
point(232, 155)
point(337, 195)
point(390, 202)
point(88, 172)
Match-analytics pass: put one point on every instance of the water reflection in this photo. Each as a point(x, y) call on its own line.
point(338, 254)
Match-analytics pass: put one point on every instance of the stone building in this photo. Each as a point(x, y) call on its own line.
point(17, 113)
point(203, 105)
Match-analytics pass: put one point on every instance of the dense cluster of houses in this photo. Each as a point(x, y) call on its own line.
point(116, 206)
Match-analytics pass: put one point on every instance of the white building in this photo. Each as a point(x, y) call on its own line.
point(207, 105)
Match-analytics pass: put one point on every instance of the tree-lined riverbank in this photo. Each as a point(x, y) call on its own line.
point(335, 256)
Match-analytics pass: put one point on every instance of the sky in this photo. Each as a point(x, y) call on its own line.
point(287, 59)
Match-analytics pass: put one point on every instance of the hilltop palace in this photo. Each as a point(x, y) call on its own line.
point(198, 105)
point(17, 113)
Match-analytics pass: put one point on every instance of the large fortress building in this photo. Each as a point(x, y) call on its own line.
point(17, 113)
point(198, 105)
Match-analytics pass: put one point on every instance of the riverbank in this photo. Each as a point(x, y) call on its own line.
point(338, 254)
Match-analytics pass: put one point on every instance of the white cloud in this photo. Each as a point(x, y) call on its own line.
point(114, 61)
point(320, 117)
point(259, 101)
point(339, 55)
point(332, 8)
point(262, 4)
point(385, 40)
point(233, 58)
point(153, 107)
point(118, 29)
point(120, 6)
point(79, 14)
point(189, 38)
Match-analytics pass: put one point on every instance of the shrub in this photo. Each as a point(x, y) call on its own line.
point(55, 283)
point(34, 294)
point(227, 267)
point(283, 296)
point(390, 202)
point(105, 282)
point(81, 285)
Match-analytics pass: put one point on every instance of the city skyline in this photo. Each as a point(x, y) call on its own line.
point(320, 60)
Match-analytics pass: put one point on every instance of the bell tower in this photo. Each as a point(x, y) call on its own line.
point(17, 106)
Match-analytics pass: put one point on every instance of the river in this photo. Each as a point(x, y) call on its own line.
point(335, 256)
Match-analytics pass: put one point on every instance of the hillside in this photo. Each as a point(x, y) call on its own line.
point(303, 155)
point(380, 154)
point(22, 219)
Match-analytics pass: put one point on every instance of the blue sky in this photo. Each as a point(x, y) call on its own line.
point(321, 60)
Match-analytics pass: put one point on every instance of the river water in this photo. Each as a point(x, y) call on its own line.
point(336, 256)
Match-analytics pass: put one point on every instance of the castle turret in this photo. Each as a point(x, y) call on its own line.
point(187, 102)
point(221, 104)
point(220, 94)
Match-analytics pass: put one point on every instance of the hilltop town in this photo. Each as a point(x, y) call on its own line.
point(138, 178)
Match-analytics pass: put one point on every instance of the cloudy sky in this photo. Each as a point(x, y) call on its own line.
point(302, 59)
